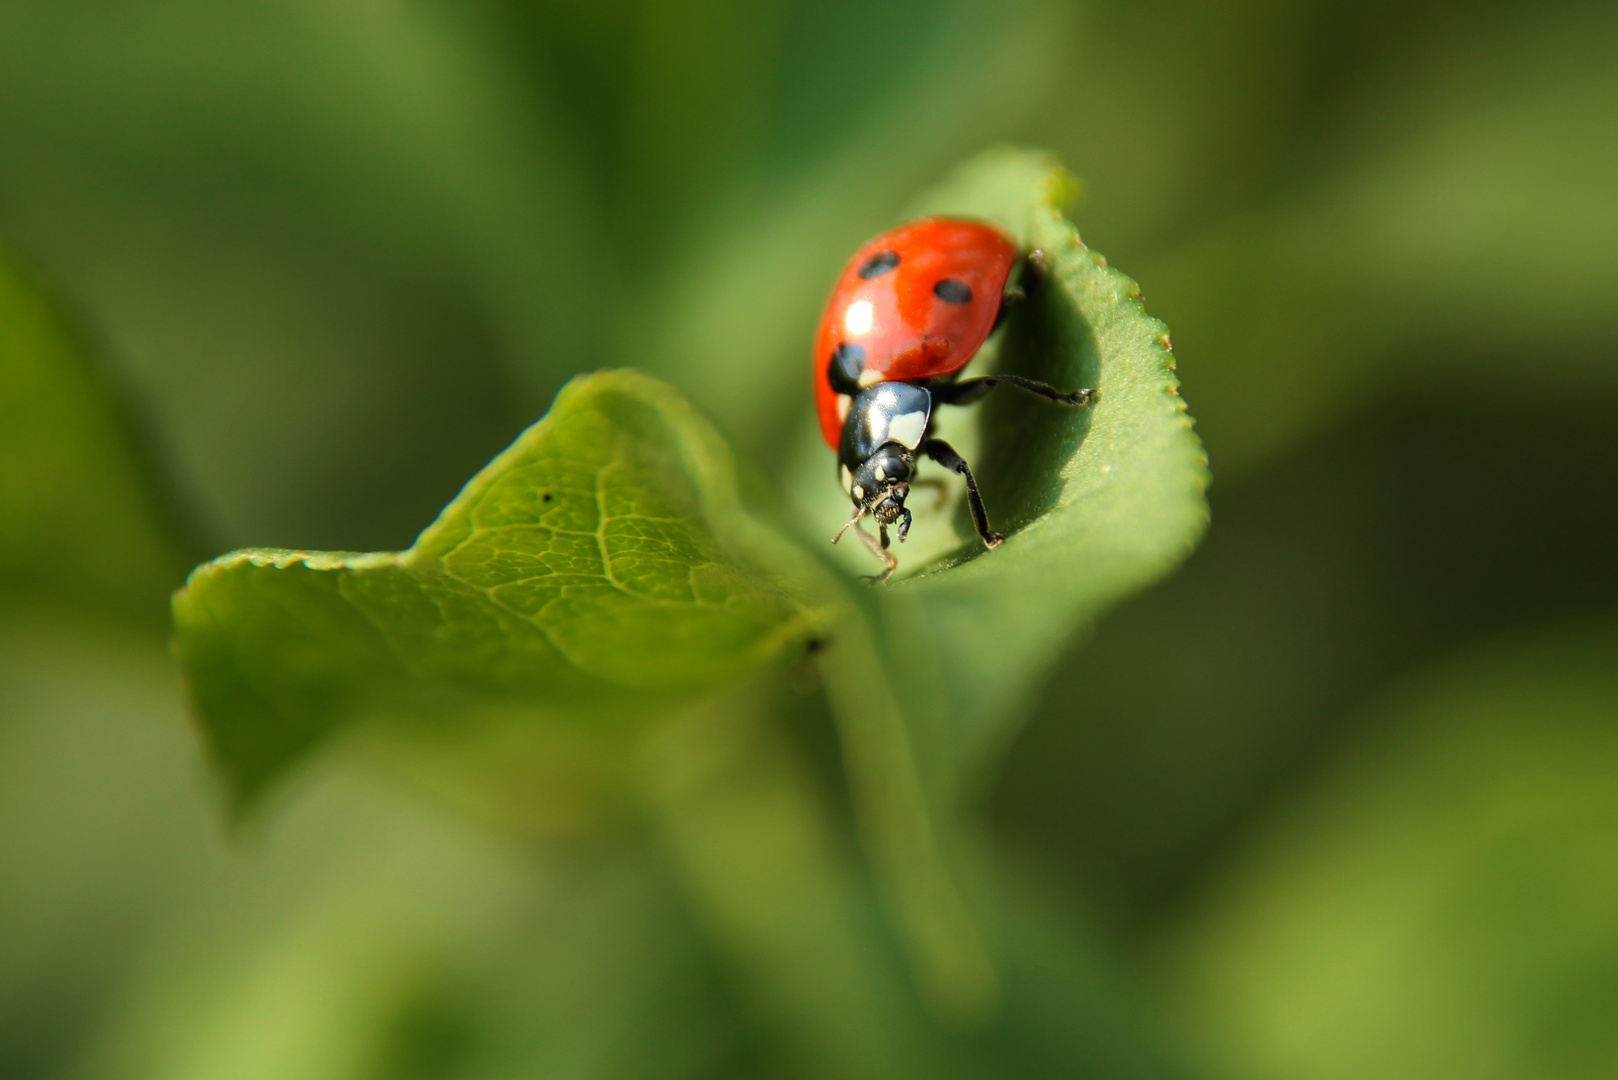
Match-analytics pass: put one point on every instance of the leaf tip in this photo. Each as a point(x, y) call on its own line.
point(1063, 190)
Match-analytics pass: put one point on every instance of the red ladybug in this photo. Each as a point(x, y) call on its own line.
point(910, 310)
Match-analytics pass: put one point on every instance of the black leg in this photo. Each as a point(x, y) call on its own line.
point(965, 393)
point(943, 453)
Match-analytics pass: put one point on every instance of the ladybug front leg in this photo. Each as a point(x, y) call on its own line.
point(879, 550)
point(943, 453)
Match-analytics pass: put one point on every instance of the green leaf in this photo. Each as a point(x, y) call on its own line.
point(602, 561)
point(1095, 503)
point(79, 523)
point(1445, 902)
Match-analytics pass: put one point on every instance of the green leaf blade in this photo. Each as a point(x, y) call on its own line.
point(270, 687)
point(1096, 502)
point(601, 562)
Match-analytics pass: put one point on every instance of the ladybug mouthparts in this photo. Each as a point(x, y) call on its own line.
point(892, 507)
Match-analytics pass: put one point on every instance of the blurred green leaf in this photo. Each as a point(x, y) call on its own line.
point(770, 876)
point(1446, 903)
point(435, 955)
point(601, 561)
point(366, 936)
point(1365, 554)
point(307, 233)
point(79, 522)
point(1096, 503)
point(1466, 232)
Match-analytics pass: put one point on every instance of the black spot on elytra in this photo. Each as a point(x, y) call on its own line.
point(847, 361)
point(953, 291)
point(878, 264)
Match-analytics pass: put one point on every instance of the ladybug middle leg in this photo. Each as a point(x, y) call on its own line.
point(943, 453)
point(970, 390)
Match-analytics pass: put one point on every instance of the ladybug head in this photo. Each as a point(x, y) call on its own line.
point(880, 484)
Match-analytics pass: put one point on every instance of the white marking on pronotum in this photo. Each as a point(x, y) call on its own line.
point(869, 377)
point(880, 474)
point(858, 317)
point(848, 478)
point(907, 430)
point(843, 402)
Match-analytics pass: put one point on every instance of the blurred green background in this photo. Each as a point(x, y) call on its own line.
point(1340, 799)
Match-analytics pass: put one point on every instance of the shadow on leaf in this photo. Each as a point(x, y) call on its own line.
point(1049, 340)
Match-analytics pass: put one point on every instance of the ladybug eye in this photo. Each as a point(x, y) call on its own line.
point(953, 291)
point(878, 264)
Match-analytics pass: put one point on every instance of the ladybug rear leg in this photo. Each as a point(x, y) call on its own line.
point(970, 390)
point(943, 453)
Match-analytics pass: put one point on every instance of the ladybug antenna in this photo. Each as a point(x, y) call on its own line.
point(859, 512)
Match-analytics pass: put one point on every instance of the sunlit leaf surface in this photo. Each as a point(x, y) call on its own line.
point(600, 561)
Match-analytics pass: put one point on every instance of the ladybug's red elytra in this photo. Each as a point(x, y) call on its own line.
point(911, 308)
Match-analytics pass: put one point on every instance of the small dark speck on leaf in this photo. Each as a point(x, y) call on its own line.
point(545, 497)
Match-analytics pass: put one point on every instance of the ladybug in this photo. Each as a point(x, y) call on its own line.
point(911, 308)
